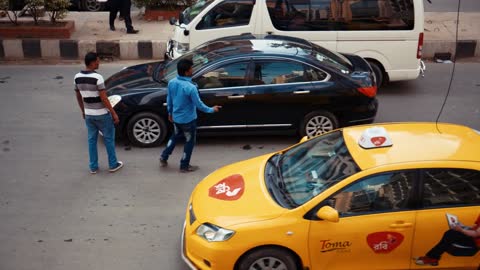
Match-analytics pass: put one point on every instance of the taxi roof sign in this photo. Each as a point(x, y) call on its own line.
point(375, 137)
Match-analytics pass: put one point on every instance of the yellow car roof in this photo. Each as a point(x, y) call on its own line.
point(415, 142)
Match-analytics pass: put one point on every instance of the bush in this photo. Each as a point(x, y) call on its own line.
point(34, 7)
point(57, 9)
point(10, 10)
point(163, 4)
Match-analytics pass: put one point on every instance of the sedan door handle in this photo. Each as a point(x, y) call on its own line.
point(401, 225)
point(236, 97)
point(300, 92)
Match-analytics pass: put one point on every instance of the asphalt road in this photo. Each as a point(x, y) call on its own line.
point(54, 215)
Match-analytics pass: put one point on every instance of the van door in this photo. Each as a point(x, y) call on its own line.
point(313, 20)
point(226, 18)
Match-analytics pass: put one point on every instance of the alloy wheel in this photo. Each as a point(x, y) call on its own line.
point(318, 125)
point(146, 131)
point(268, 263)
point(91, 5)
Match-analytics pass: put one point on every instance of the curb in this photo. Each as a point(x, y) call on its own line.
point(29, 49)
point(26, 49)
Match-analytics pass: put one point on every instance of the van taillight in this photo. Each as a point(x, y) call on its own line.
point(368, 91)
point(420, 46)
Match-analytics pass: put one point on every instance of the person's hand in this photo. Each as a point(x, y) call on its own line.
point(170, 118)
point(458, 228)
point(115, 119)
point(216, 108)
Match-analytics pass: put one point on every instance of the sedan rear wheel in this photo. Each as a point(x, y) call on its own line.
point(146, 129)
point(91, 5)
point(317, 123)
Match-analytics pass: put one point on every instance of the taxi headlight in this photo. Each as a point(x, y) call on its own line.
point(213, 233)
point(114, 100)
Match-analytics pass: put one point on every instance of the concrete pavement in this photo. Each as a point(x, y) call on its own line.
point(92, 33)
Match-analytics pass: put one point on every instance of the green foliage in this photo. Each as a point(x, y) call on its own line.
point(57, 9)
point(163, 4)
point(34, 8)
point(12, 14)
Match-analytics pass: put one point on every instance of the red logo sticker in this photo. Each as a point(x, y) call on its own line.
point(228, 189)
point(377, 141)
point(384, 242)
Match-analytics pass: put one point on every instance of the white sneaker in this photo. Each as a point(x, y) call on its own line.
point(118, 167)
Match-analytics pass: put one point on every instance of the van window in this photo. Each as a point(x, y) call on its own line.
point(191, 12)
point(346, 15)
point(446, 187)
point(227, 14)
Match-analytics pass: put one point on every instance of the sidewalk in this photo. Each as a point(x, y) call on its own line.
point(92, 32)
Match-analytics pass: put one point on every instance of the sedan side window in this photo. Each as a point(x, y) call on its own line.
point(227, 76)
point(446, 187)
point(228, 14)
point(278, 73)
point(379, 193)
point(314, 75)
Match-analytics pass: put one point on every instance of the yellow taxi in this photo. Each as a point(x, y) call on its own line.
point(384, 196)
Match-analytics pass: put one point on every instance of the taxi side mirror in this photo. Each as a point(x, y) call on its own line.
point(328, 213)
point(303, 139)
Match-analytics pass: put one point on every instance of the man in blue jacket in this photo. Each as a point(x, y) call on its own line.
point(183, 101)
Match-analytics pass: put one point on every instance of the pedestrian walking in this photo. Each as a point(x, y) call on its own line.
point(97, 112)
point(183, 101)
point(124, 7)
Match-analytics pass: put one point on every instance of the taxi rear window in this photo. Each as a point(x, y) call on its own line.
point(304, 171)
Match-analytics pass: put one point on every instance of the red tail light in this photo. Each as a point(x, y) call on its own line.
point(368, 91)
point(420, 46)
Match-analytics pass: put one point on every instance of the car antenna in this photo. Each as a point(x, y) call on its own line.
point(453, 69)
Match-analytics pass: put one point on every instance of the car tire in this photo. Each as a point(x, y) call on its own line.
point(268, 258)
point(91, 5)
point(378, 73)
point(146, 129)
point(318, 122)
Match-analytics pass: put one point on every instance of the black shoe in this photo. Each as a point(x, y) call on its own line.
point(190, 168)
point(163, 162)
point(112, 27)
point(133, 31)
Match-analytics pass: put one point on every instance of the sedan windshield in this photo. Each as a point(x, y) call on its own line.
point(306, 170)
point(191, 12)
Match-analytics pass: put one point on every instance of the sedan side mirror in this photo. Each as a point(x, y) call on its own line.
point(303, 139)
point(328, 213)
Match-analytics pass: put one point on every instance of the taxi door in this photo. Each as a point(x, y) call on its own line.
point(452, 192)
point(375, 229)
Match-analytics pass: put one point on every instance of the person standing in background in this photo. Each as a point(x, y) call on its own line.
point(124, 6)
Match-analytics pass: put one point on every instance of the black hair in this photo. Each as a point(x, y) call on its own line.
point(90, 57)
point(183, 66)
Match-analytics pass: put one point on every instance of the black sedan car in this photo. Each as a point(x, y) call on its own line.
point(262, 83)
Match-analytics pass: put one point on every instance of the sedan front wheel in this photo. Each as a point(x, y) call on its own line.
point(317, 123)
point(146, 129)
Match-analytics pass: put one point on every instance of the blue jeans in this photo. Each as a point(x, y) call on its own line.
point(105, 124)
point(189, 131)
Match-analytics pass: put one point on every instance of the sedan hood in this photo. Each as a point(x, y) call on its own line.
point(235, 194)
point(137, 77)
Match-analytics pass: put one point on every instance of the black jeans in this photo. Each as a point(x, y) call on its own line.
point(124, 9)
point(450, 237)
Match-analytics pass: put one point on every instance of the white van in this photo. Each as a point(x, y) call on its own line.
point(388, 33)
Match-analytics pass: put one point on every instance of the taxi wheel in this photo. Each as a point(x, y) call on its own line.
point(146, 129)
point(317, 123)
point(268, 258)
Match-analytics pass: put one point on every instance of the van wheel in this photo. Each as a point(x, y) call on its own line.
point(268, 258)
point(146, 129)
point(378, 73)
point(318, 122)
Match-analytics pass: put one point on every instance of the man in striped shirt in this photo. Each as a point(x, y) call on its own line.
point(97, 112)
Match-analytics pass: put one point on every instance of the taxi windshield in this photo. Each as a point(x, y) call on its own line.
point(191, 12)
point(304, 171)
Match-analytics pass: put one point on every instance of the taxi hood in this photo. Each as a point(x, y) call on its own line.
point(235, 194)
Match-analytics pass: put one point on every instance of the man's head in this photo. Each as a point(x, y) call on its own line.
point(92, 61)
point(184, 67)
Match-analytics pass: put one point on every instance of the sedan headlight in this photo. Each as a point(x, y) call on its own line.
point(114, 100)
point(213, 233)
